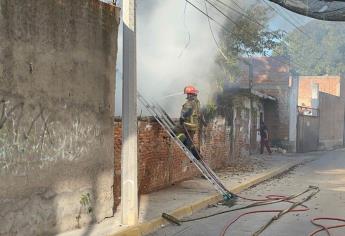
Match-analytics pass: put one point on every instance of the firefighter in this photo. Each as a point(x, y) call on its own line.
point(189, 120)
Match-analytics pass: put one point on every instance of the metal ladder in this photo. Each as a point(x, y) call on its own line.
point(168, 125)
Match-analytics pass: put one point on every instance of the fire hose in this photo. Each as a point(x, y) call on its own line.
point(270, 199)
point(326, 228)
point(280, 212)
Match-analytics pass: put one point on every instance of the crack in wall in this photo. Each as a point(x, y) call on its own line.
point(43, 139)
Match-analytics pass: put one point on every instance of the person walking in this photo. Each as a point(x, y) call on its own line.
point(264, 142)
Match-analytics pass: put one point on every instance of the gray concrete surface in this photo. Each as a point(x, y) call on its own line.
point(152, 205)
point(327, 172)
point(57, 78)
point(331, 132)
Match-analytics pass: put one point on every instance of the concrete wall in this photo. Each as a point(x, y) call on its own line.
point(243, 125)
point(332, 116)
point(57, 73)
point(162, 163)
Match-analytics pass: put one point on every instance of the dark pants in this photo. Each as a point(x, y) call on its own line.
point(265, 143)
point(189, 140)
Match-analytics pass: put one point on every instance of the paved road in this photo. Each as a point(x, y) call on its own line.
point(327, 172)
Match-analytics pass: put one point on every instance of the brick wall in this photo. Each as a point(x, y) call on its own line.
point(241, 133)
point(161, 163)
point(271, 76)
point(277, 116)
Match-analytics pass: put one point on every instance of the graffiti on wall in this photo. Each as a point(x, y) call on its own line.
point(31, 136)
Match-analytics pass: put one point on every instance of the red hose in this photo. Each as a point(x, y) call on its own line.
point(326, 228)
point(269, 197)
point(304, 208)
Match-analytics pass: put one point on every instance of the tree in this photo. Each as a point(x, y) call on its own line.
point(247, 36)
point(244, 36)
point(323, 52)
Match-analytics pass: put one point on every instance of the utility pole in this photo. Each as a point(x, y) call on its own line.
point(315, 102)
point(251, 80)
point(249, 63)
point(251, 75)
point(129, 156)
point(293, 110)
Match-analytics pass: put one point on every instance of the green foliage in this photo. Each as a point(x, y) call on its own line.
point(322, 53)
point(85, 202)
point(209, 112)
point(247, 37)
point(244, 39)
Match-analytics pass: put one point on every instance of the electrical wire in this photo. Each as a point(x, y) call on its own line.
point(185, 26)
point(208, 16)
point(232, 21)
point(298, 28)
point(255, 21)
point(290, 15)
point(283, 13)
point(241, 13)
point(299, 64)
point(273, 50)
point(235, 23)
point(248, 17)
point(287, 19)
point(214, 37)
point(221, 12)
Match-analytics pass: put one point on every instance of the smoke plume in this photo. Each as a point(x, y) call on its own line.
point(174, 48)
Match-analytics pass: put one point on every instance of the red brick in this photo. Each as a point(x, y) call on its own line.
point(162, 163)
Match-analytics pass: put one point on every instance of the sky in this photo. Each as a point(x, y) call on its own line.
point(175, 48)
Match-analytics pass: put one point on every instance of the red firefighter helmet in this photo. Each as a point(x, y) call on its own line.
point(190, 90)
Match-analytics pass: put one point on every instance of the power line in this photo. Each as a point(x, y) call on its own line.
point(290, 15)
point(217, 44)
point(235, 23)
point(246, 15)
point(286, 18)
point(243, 12)
point(185, 26)
point(239, 12)
point(221, 12)
point(213, 36)
point(231, 20)
point(298, 28)
point(257, 22)
point(208, 16)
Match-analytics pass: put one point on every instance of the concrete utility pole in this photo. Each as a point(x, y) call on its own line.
point(129, 158)
point(249, 63)
point(251, 81)
point(293, 114)
point(315, 99)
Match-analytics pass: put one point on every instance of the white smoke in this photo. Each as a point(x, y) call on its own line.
point(174, 48)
